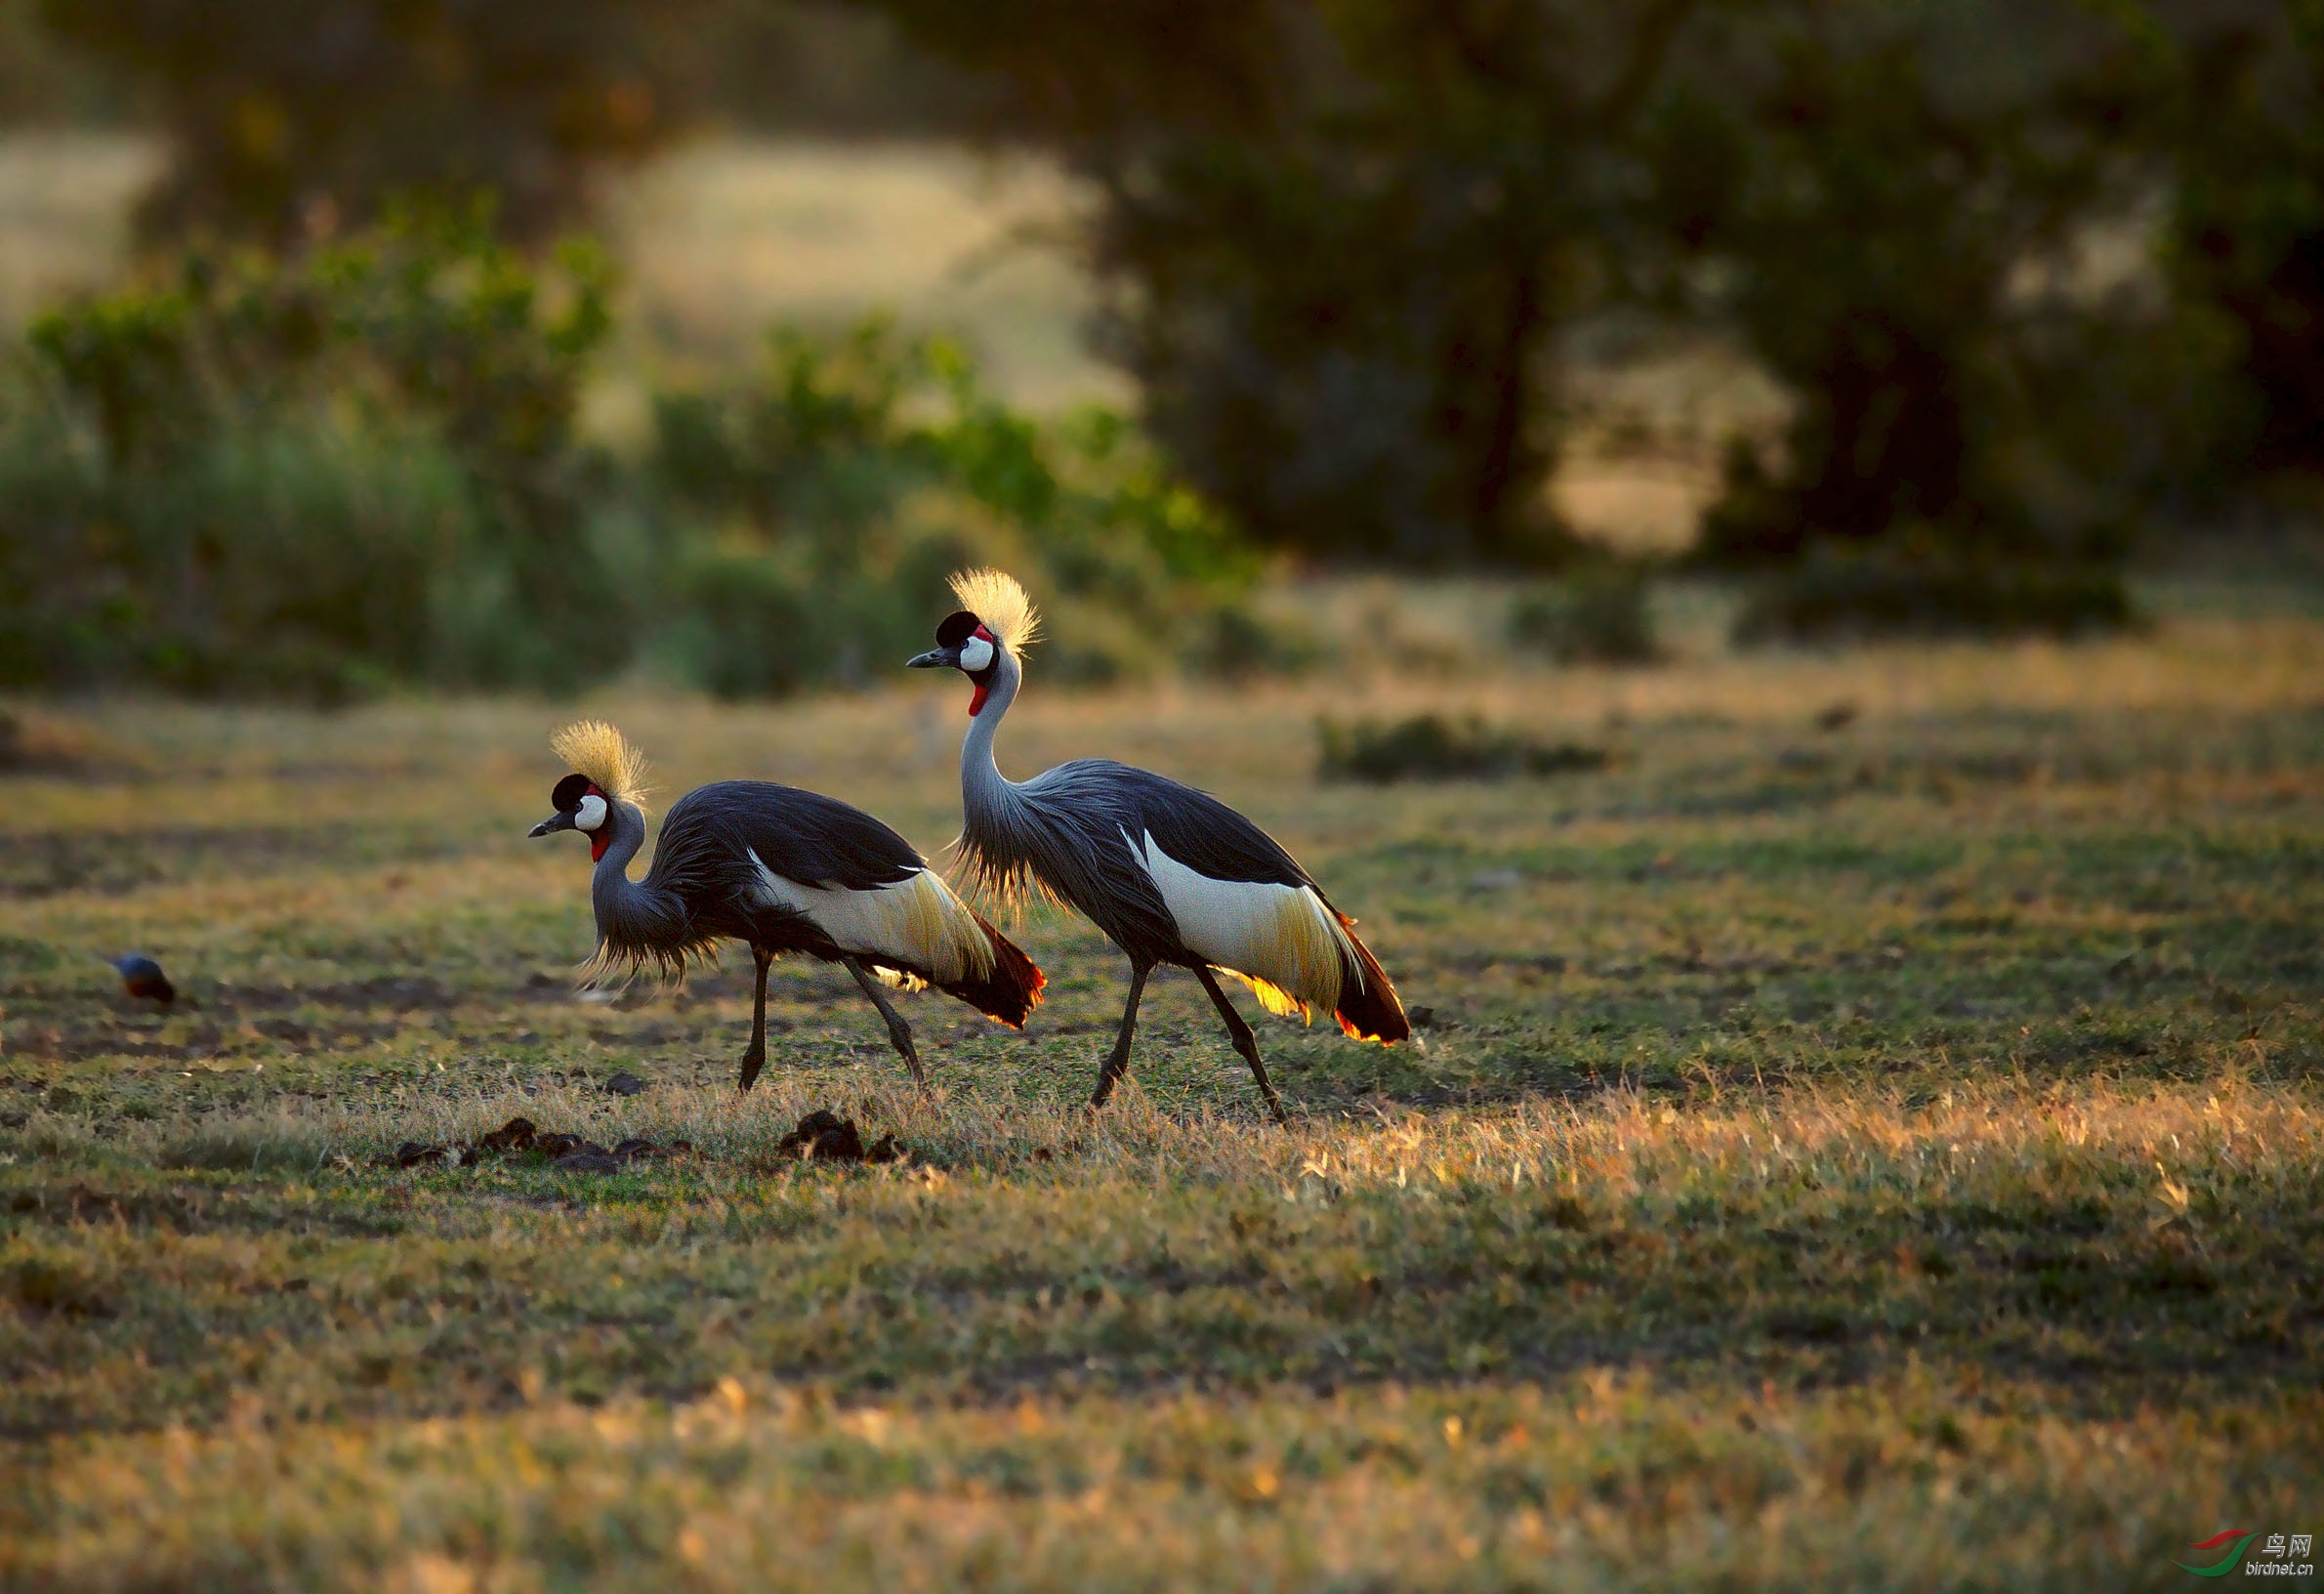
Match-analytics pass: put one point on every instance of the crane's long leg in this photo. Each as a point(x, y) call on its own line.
point(1117, 1060)
point(754, 1058)
point(1244, 1041)
point(899, 1033)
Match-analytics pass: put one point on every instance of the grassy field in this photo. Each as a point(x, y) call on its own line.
point(1876, 1155)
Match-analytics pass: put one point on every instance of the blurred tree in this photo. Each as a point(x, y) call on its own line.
point(1888, 203)
point(298, 115)
point(1341, 232)
point(825, 68)
point(2245, 132)
point(43, 83)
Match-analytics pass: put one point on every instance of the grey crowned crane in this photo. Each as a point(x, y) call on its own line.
point(1170, 874)
point(784, 870)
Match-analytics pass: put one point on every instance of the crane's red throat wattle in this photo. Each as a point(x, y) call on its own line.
point(602, 837)
point(976, 701)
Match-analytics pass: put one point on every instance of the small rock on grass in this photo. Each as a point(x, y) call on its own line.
point(625, 1083)
point(826, 1137)
point(515, 1135)
point(571, 1153)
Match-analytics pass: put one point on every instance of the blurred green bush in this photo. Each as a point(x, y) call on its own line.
point(322, 474)
point(1597, 613)
point(311, 476)
point(1431, 747)
point(815, 509)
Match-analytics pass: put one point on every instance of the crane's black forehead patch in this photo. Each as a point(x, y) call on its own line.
point(567, 798)
point(956, 629)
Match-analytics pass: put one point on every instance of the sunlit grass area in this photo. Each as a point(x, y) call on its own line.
point(1866, 1135)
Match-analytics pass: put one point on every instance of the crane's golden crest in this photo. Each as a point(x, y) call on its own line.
point(995, 598)
point(596, 749)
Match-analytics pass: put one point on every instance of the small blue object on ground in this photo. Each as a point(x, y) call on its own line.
point(140, 976)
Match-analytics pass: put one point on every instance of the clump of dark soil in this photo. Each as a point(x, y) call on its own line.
point(826, 1137)
point(822, 1137)
point(522, 1137)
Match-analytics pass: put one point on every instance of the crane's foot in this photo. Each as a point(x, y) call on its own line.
point(1246, 1043)
point(1117, 1060)
point(899, 1035)
point(752, 1061)
point(1266, 1091)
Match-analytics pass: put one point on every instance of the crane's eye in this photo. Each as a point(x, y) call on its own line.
point(976, 654)
point(591, 814)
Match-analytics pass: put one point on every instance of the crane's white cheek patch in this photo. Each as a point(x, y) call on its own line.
point(591, 814)
point(976, 654)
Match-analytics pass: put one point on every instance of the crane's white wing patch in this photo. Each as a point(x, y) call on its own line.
point(916, 920)
point(1282, 939)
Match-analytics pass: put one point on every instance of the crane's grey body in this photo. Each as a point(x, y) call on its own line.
point(707, 880)
point(786, 870)
point(1078, 832)
point(1170, 874)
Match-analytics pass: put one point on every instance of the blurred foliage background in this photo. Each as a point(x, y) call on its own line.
point(2031, 289)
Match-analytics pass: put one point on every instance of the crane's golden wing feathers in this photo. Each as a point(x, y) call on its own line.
point(995, 598)
point(596, 749)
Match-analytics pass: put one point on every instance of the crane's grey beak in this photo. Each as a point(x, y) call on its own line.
point(949, 657)
point(551, 825)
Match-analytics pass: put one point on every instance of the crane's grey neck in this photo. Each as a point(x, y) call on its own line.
point(981, 783)
point(996, 829)
point(632, 918)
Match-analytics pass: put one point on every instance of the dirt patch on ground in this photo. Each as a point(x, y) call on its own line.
point(520, 1136)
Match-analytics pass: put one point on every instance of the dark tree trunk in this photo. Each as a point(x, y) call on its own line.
point(1506, 474)
point(2283, 325)
point(1891, 440)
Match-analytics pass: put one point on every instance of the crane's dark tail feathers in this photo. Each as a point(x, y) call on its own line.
point(1368, 1006)
point(1011, 991)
